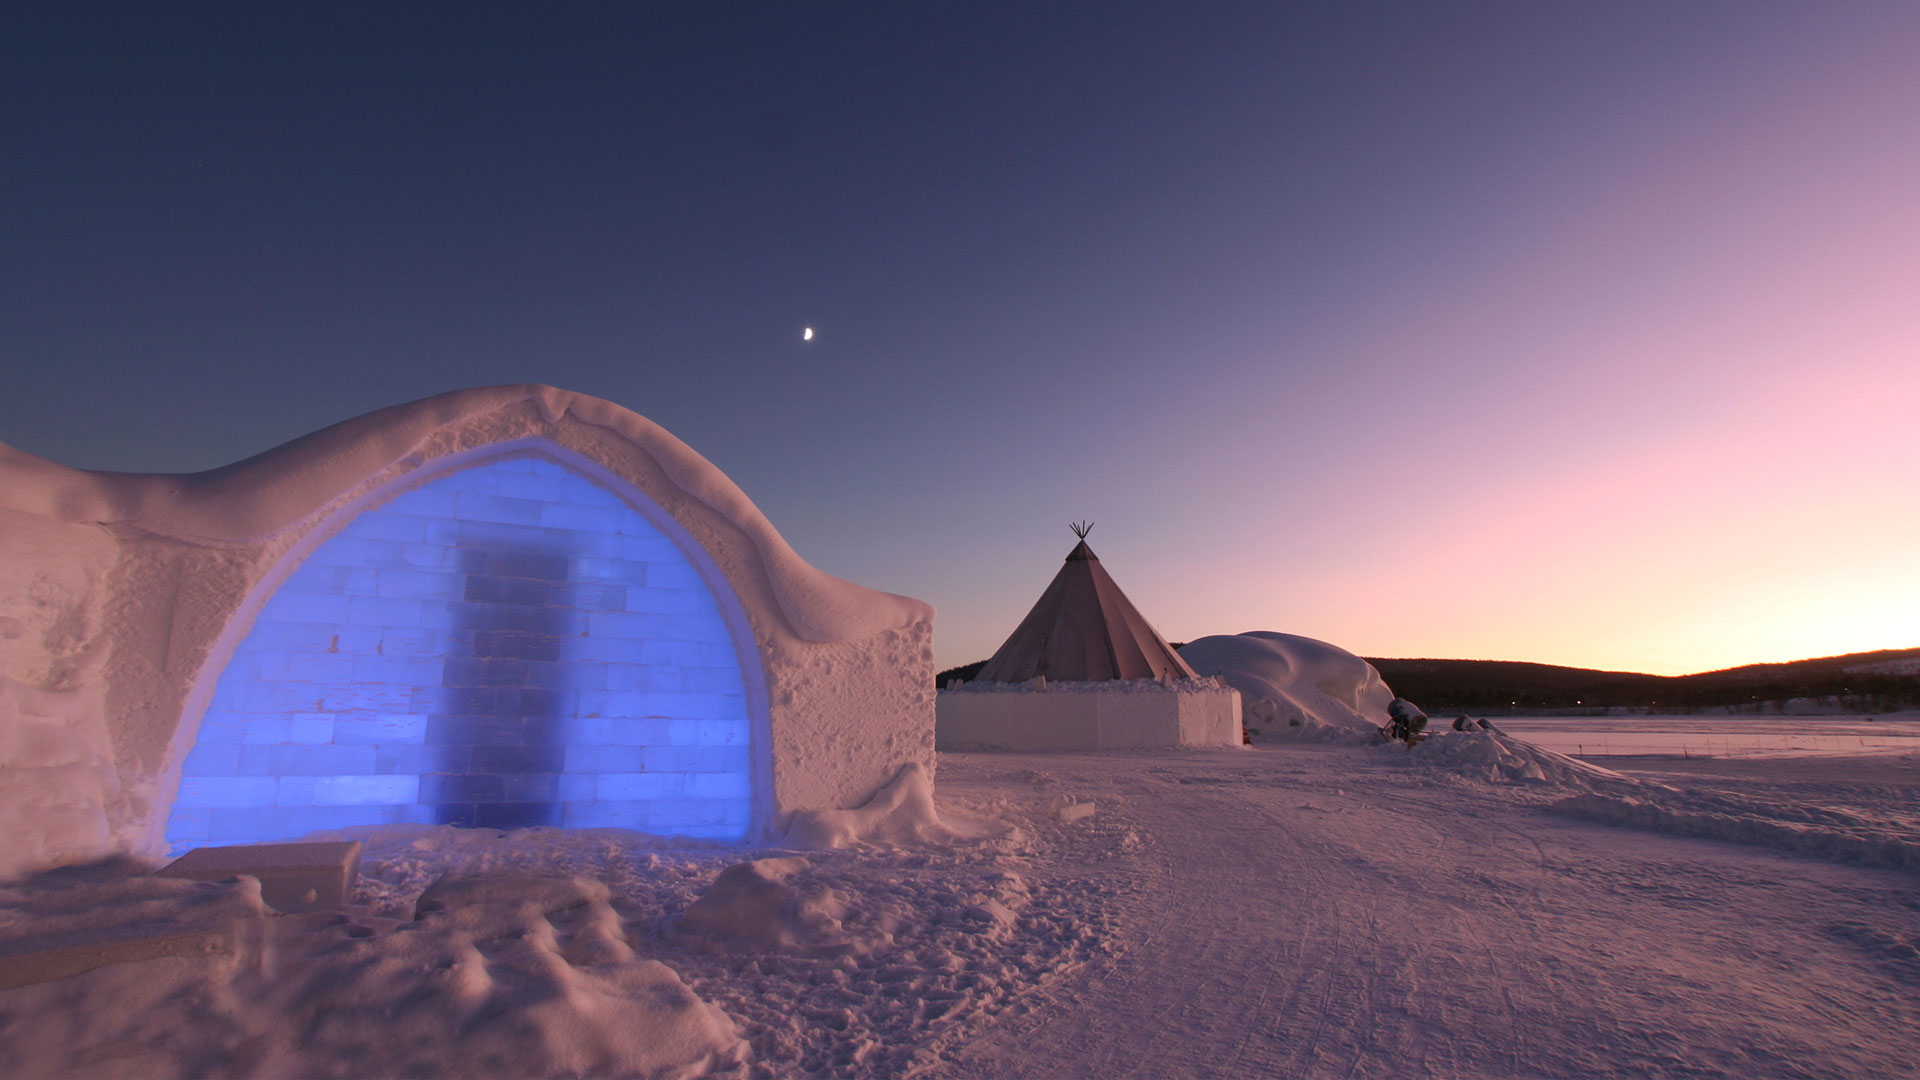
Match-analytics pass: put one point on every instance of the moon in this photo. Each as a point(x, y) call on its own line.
point(806, 333)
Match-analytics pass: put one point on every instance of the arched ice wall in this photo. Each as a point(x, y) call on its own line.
point(119, 594)
point(502, 642)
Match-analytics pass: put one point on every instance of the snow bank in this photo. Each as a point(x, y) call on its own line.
point(1294, 687)
point(551, 952)
point(1864, 846)
point(1491, 756)
point(1813, 822)
point(499, 976)
point(901, 814)
point(535, 974)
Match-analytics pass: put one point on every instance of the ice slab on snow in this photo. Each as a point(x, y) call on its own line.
point(293, 877)
point(1070, 810)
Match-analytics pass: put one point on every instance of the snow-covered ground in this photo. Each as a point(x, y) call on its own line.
point(1478, 906)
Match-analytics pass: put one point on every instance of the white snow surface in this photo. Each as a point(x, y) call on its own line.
point(1293, 687)
point(1309, 909)
point(1711, 736)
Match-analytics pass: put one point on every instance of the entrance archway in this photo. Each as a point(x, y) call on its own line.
point(506, 645)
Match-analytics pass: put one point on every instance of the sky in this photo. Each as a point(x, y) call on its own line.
point(1584, 334)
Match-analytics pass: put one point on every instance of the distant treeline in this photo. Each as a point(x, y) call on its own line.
point(1850, 682)
point(1502, 685)
point(963, 672)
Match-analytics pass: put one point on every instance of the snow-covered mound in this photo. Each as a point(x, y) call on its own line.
point(499, 976)
point(768, 906)
point(1490, 755)
point(901, 814)
point(562, 952)
point(1295, 687)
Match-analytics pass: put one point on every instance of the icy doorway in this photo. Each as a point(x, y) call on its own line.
point(507, 645)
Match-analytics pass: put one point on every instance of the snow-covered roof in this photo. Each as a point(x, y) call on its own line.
point(287, 488)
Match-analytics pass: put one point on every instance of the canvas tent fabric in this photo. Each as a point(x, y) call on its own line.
point(1084, 629)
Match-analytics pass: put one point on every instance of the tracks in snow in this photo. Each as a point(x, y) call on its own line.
point(1321, 917)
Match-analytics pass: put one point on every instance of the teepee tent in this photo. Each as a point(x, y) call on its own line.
point(1111, 681)
point(1084, 629)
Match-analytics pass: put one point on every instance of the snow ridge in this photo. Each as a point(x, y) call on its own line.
point(1825, 832)
point(1774, 828)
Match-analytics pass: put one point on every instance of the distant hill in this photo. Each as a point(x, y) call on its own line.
point(1861, 682)
point(1865, 682)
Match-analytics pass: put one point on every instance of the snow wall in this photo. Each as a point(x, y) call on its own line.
point(1295, 687)
point(1108, 715)
point(502, 606)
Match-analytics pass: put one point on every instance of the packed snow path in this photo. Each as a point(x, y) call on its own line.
point(1331, 912)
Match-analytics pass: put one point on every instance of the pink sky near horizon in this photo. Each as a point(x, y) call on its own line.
point(1675, 429)
point(1723, 470)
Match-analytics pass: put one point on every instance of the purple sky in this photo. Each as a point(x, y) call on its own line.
point(1585, 334)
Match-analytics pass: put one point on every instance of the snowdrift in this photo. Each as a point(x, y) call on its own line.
point(1499, 759)
point(901, 814)
point(1817, 834)
point(498, 976)
point(551, 952)
point(1574, 788)
point(767, 906)
point(1294, 687)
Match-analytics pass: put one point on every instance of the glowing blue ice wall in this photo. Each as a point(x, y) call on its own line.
point(507, 645)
